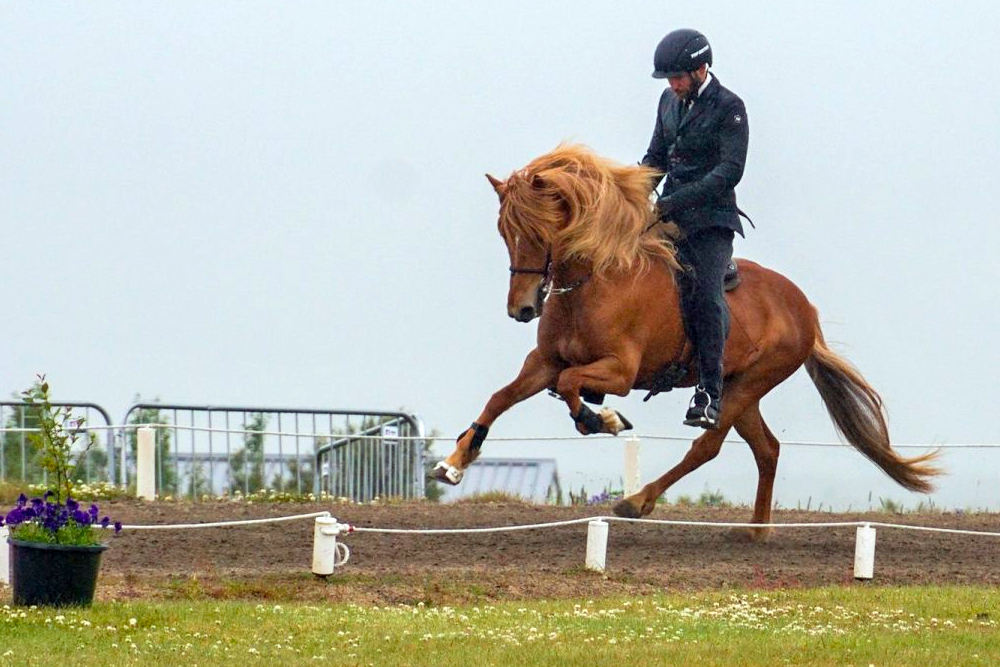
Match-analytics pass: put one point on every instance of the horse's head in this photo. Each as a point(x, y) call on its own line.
point(571, 207)
point(530, 262)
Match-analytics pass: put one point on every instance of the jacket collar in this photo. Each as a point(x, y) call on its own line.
point(702, 102)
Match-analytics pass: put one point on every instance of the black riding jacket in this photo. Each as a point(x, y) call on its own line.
point(702, 155)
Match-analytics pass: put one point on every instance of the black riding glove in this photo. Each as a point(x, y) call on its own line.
point(665, 208)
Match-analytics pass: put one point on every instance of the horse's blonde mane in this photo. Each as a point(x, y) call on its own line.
point(586, 208)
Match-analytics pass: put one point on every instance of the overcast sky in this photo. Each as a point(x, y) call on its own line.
point(284, 204)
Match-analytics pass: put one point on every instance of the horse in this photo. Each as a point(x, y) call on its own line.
point(587, 258)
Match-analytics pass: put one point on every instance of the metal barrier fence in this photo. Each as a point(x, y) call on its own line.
point(215, 450)
point(246, 449)
point(383, 460)
point(17, 462)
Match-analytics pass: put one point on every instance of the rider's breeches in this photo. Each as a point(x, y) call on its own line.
point(705, 256)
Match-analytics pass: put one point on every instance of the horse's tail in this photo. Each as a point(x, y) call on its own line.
point(856, 410)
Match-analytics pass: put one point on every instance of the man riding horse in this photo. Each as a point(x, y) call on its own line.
point(700, 145)
point(606, 288)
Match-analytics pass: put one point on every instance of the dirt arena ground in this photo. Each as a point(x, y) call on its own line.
point(273, 561)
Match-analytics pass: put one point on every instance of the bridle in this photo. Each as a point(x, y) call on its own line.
point(543, 272)
point(545, 288)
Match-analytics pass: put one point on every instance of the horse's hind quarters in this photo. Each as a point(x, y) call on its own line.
point(448, 474)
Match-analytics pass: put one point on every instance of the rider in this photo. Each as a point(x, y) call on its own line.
point(700, 144)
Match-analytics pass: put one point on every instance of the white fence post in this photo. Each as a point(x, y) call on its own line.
point(597, 545)
point(4, 556)
point(632, 481)
point(326, 548)
point(864, 553)
point(145, 464)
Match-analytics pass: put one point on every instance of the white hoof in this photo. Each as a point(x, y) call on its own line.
point(448, 473)
point(612, 422)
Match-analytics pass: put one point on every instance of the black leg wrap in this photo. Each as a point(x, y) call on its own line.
point(478, 437)
point(590, 419)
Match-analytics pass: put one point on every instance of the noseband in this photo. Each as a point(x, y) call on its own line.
point(543, 272)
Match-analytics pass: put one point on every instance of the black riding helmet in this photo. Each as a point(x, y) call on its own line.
point(683, 50)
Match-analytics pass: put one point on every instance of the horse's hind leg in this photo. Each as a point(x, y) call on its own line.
point(739, 394)
point(705, 448)
point(765, 447)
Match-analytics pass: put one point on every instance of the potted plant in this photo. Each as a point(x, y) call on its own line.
point(55, 547)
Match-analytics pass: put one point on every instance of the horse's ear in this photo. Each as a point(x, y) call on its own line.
point(498, 185)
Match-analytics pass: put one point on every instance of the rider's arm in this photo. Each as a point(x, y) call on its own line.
point(658, 151)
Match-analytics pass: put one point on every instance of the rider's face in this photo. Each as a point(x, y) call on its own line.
point(685, 85)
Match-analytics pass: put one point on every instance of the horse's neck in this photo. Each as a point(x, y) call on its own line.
point(656, 283)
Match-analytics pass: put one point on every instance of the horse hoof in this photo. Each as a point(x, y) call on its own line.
point(614, 422)
point(448, 474)
point(626, 510)
point(626, 424)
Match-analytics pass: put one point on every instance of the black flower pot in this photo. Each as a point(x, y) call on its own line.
point(53, 574)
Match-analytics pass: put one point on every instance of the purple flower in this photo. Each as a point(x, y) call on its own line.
point(118, 527)
point(52, 517)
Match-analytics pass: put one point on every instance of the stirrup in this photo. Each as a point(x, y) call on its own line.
point(699, 415)
point(699, 391)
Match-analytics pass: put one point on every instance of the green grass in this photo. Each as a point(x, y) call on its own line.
point(832, 626)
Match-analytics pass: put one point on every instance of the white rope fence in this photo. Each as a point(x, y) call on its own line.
point(540, 438)
point(224, 524)
point(329, 553)
point(597, 535)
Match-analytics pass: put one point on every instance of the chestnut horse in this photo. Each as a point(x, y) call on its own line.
point(588, 258)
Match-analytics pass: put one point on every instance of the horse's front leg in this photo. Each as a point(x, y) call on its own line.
point(537, 373)
point(614, 374)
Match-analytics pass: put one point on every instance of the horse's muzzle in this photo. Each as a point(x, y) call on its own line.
point(525, 314)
